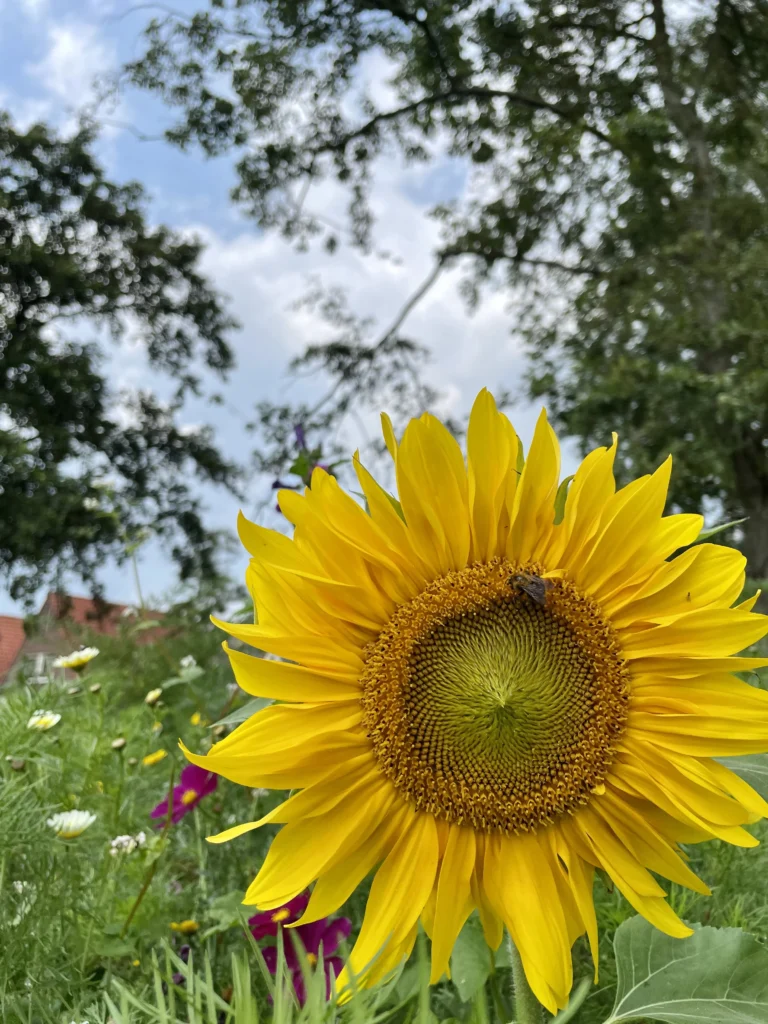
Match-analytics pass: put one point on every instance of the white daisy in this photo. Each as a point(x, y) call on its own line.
point(122, 844)
point(77, 660)
point(127, 844)
point(69, 824)
point(43, 720)
point(188, 661)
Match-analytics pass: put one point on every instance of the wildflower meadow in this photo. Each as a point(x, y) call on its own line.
point(117, 910)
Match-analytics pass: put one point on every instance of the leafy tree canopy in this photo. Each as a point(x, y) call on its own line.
point(85, 469)
point(620, 183)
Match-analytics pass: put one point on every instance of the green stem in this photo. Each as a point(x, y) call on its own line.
point(135, 563)
point(201, 860)
point(527, 1007)
point(153, 866)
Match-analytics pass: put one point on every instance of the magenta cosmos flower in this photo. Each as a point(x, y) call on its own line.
point(269, 921)
point(326, 933)
point(194, 784)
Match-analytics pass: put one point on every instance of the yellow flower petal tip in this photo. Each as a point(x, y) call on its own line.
point(491, 685)
point(155, 757)
point(187, 927)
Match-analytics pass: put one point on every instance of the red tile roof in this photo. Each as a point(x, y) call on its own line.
point(12, 638)
point(101, 616)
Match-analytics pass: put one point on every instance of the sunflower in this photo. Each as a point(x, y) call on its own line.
point(492, 687)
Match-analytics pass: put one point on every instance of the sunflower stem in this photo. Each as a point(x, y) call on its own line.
point(527, 1006)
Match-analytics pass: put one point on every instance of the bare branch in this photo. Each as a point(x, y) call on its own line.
point(126, 126)
point(414, 300)
point(451, 97)
point(491, 255)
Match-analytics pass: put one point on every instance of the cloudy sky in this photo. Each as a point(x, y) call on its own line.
point(51, 51)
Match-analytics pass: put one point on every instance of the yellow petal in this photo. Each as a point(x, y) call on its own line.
point(398, 893)
point(262, 677)
point(702, 735)
point(274, 548)
point(493, 926)
point(283, 737)
point(716, 631)
point(593, 486)
point(749, 603)
point(700, 576)
point(343, 874)
point(645, 843)
point(302, 850)
point(580, 876)
point(659, 781)
point(383, 512)
point(534, 508)
point(492, 447)
point(432, 484)
point(684, 667)
point(629, 519)
point(518, 879)
point(315, 652)
point(384, 963)
point(453, 904)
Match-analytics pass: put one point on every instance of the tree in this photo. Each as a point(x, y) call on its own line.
point(623, 163)
point(83, 469)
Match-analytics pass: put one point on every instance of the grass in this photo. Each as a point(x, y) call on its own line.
point(86, 935)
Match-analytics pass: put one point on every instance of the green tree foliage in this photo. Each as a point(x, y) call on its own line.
point(83, 468)
point(620, 169)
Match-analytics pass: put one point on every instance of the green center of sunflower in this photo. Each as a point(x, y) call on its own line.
point(490, 707)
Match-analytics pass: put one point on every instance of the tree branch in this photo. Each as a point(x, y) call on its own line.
point(450, 97)
point(126, 126)
point(414, 300)
point(408, 18)
point(492, 255)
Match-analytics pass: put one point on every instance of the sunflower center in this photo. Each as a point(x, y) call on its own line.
point(490, 707)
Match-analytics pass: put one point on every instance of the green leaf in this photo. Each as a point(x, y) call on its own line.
point(717, 976)
point(242, 714)
point(186, 676)
point(224, 912)
point(145, 624)
point(560, 497)
point(753, 769)
point(471, 960)
point(713, 531)
point(396, 505)
point(115, 946)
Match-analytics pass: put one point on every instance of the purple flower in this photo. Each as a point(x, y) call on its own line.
point(327, 933)
point(195, 783)
point(301, 440)
point(268, 922)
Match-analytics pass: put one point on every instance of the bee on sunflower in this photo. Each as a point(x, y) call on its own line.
point(479, 747)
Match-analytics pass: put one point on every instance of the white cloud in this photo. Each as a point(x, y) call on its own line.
point(76, 55)
point(34, 9)
point(264, 276)
point(25, 110)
